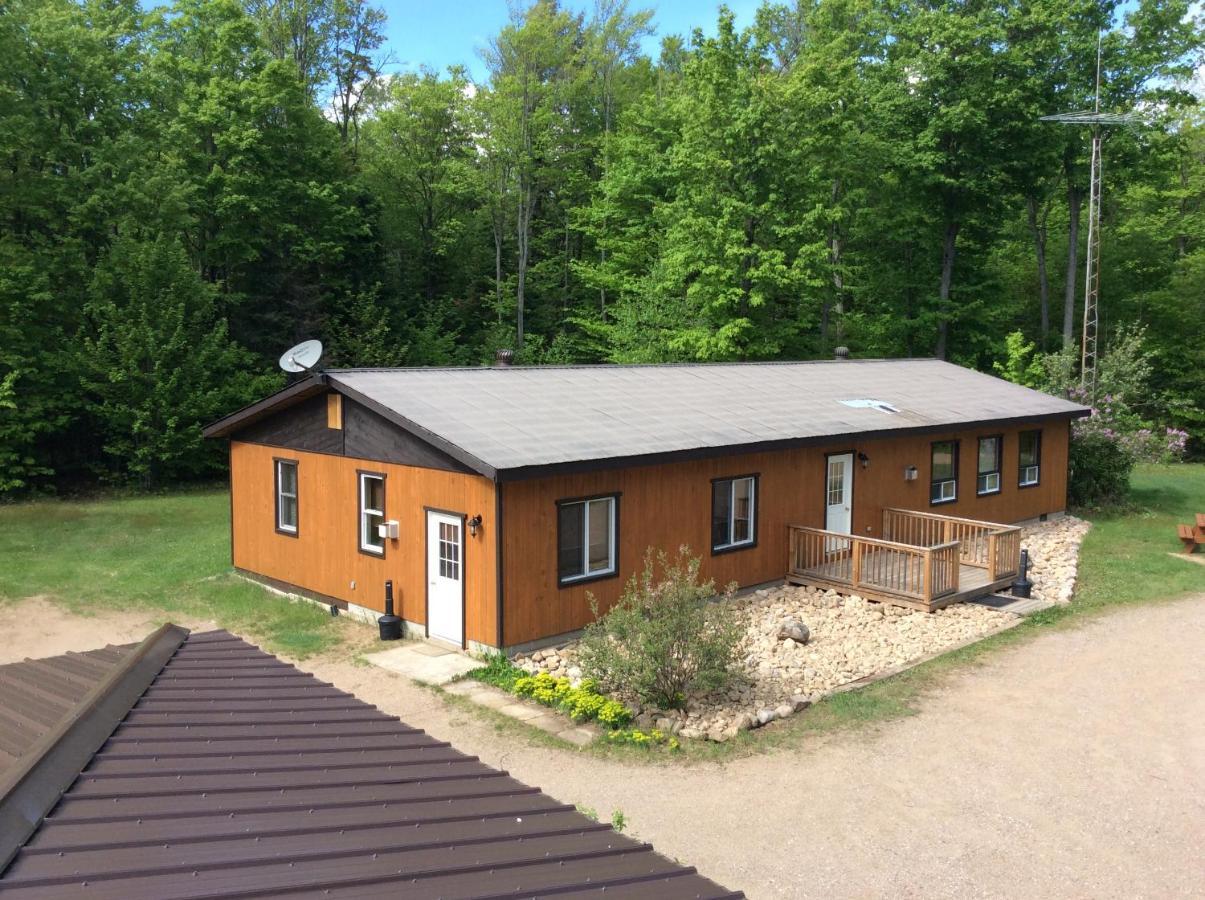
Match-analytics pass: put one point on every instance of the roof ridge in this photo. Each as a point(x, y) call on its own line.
point(31, 789)
point(751, 363)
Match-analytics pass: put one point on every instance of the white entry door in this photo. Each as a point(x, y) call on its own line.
point(445, 577)
point(839, 493)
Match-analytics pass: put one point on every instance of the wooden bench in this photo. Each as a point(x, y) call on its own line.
point(1193, 536)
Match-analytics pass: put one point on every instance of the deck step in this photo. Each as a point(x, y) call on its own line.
point(1018, 606)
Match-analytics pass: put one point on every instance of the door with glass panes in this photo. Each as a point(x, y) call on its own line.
point(445, 577)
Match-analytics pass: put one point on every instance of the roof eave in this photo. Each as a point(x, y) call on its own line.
point(285, 397)
point(543, 470)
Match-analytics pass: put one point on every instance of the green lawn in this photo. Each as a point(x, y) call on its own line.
point(172, 554)
point(160, 553)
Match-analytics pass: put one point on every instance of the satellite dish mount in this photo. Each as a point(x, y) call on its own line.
point(302, 358)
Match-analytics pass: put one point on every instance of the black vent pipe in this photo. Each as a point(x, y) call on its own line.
point(390, 625)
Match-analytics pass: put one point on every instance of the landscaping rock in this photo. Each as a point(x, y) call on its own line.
point(787, 665)
point(794, 630)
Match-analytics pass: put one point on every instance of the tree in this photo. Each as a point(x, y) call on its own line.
point(159, 363)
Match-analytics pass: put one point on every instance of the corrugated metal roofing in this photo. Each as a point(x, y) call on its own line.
point(38, 694)
point(517, 417)
point(236, 774)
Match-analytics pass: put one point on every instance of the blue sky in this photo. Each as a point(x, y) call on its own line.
point(440, 33)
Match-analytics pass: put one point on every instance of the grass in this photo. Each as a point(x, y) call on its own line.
point(171, 555)
point(168, 555)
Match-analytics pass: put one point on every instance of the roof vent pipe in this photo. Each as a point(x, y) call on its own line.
point(503, 357)
point(841, 353)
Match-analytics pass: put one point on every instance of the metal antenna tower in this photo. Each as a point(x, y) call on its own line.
point(1095, 119)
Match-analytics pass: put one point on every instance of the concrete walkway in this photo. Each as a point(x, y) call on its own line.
point(424, 661)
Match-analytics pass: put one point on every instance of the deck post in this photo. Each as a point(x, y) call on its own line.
point(855, 569)
point(991, 556)
point(928, 576)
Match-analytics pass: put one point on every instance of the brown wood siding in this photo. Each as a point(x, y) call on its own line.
point(324, 556)
point(668, 505)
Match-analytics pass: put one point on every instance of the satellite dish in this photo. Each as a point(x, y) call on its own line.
point(303, 357)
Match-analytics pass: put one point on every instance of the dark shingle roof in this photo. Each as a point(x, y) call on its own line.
point(526, 420)
point(235, 774)
point(511, 418)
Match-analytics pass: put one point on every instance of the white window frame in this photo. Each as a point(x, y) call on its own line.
point(988, 483)
point(731, 544)
point(586, 573)
point(366, 511)
point(948, 487)
point(281, 494)
point(1028, 476)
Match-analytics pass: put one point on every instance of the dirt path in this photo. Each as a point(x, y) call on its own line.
point(1072, 766)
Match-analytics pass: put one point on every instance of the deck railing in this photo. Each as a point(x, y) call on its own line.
point(877, 566)
point(985, 545)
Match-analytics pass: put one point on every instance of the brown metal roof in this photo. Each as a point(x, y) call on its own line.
point(235, 774)
point(38, 694)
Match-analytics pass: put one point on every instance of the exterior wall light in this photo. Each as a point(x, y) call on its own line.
point(474, 524)
point(864, 460)
point(910, 473)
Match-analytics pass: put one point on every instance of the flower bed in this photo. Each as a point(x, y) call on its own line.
point(579, 699)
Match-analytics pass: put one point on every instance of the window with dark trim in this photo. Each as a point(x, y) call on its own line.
point(733, 513)
point(586, 538)
point(286, 496)
point(988, 474)
point(1029, 458)
point(943, 472)
point(372, 512)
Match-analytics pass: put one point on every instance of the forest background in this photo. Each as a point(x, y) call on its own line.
point(186, 190)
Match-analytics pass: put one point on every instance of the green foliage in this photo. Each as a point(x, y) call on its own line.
point(855, 172)
point(158, 362)
point(664, 638)
point(646, 739)
point(498, 671)
point(1100, 470)
point(582, 703)
point(1021, 365)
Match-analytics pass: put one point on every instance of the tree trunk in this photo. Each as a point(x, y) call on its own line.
point(943, 296)
point(1074, 201)
point(834, 252)
point(522, 233)
point(1038, 229)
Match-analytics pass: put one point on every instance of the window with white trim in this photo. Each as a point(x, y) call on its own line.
point(586, 539)
point(372, 512)
point(943, 469)
point(1029, 458)
point(286, 496)
point(988, 480)
point(733, 510)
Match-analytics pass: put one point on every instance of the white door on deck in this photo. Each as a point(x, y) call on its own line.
point(445, 577)
point(839, 493)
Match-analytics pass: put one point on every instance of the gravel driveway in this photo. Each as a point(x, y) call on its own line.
point(1071, 766)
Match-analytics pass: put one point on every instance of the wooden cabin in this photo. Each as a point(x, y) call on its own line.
point(498, 499)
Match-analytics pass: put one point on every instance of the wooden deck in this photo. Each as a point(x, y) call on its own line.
point(932, 562)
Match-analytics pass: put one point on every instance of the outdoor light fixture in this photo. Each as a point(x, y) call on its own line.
point(474, 524)
point(910, 473)
point(863, 459)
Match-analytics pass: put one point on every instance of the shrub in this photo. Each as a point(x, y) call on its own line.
point(1100, 470)
point(664, 638)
